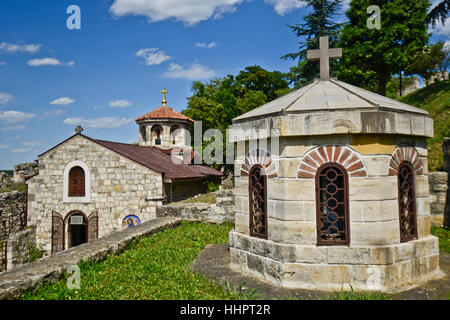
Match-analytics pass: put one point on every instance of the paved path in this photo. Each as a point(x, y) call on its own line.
point(213, 262)
point(15, 282)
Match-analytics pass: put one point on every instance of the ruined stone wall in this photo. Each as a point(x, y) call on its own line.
point(5, 180)
point(12, 213)
point(19, 246)
point(221, 211)
point(119, 187)
point(24, 170)
point(438, 194)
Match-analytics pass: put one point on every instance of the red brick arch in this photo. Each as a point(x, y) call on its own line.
point(343, 155)
point(402, 154)
point(261, 157)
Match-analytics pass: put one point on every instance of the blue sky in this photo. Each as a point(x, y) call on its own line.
point(112, 70)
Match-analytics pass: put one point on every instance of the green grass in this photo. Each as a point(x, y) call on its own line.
point(436, 100)
point(444, 238)
point(21, 187)
point(351, 295)
point(156, 267)
point(204, 198)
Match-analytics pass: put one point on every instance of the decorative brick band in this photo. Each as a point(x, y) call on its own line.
point(409, 154)
point(343, 155)
point(262, 158)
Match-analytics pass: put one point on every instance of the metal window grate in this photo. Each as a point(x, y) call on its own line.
point(332, 205)
point(258, 202)
point(407, 202)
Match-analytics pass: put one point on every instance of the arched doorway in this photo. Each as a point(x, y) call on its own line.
point(77, 229)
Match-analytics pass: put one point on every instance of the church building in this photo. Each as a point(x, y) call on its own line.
point(88, 188)
point(345, 197)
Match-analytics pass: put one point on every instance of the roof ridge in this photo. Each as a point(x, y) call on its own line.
point(306, 90)
point(336, 82)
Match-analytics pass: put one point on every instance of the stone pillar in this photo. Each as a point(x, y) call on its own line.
point(446, 150)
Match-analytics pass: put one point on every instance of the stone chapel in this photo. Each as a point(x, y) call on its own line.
point(88, 188)
point(345, 199)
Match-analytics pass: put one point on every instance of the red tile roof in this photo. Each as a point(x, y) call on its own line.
point(164, 112)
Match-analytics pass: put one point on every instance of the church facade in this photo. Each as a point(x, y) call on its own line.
point(88, 188)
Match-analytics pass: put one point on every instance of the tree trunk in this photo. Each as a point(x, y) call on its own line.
point(382, 82)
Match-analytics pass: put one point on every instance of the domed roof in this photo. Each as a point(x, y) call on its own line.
point(164, 112)
point(328, 95)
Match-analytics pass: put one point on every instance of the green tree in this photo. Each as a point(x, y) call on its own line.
point(438, 13)
point(372, 56)
point(217, 102)
point(427, 62)
point(320, 22)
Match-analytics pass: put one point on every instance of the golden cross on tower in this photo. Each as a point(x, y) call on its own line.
point(324, 54)
point(164, 91)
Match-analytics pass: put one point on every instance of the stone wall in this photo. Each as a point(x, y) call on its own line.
point(19, 246)
point(24, 170)
point(15, 283)
point(5, 180)
point(12, 213)
point(118, 187)
point(221, 211)
point(438, 194)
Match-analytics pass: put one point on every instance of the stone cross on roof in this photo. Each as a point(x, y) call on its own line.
point(324, 54)
point(164, 91)
point(79, 129)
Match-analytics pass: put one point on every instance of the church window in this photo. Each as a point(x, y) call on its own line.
point(407, 202)
point(332, 205)
point(173, 133)
point(156, 134)
point(258, 202)
point(76, 182)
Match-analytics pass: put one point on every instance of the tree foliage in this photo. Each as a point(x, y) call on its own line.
point(218, 101)
point(438, 13)
point(320, 22)
point(428, 61)
point(372, 56)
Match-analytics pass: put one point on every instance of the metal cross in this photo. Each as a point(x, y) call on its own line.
point(164, 91)
point(324, 54)
point(78, 129)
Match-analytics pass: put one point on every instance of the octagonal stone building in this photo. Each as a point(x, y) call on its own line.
point(342, 199)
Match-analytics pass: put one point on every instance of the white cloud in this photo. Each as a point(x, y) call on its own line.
point(53, 113)
point(194, 72)
point(49, 62)
point(64, 101)
point(100, 123)
point(12, 128)
point(285, 6)
point(3, 63)
point(188, 11)
point(4, 147)
point(21, 150)
point(15, 116)
point(32, 143)
point(442, 29)
point(13, 48)
point(206, 45)
point(153, 56)
point(122, 103)
point(5, 98)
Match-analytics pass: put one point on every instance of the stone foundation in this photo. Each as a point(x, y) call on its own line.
point(386, 268)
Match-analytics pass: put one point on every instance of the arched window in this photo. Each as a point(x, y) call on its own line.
point(156, 134)
point(332, 205)
point(76, 182)
point(173, 133)
point(258, 202)
point(407, 202)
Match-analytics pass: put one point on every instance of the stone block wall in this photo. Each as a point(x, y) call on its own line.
point(5, 180)
point(24, 170)
point(119, 187)
point(438, 195)
point(19, 246)
point(12, 213)
point(221, 211)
